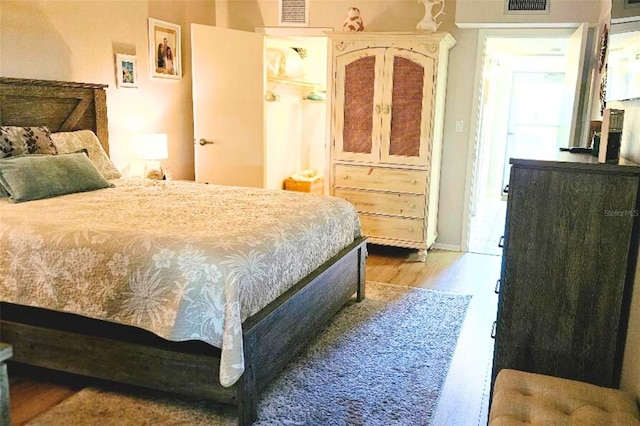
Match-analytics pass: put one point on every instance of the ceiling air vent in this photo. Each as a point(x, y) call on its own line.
point(294, 13)
point(527, 6)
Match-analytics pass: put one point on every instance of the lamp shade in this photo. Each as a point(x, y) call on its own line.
point(152, 146)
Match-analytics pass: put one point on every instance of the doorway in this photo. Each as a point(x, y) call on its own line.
point(278, 98)
point(522, 90)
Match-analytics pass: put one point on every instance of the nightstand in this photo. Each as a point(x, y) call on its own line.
point(6, 351)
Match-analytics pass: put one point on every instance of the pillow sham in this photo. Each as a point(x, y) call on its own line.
point(67, 142)
point(16, 140)
point(34, 177)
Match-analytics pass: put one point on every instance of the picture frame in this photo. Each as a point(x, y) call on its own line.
point(631, 3)
point(165, 53)
point(126, 70)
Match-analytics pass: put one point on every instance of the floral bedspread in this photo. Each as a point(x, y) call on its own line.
point(181, 259)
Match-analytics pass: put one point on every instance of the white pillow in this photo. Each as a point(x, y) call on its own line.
point(67, 142)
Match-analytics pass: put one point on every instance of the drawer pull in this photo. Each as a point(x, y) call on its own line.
point(413, 182)
point(497, 289)
point(493, 330)
point(501, 242)
point(411, 230)
point(412, 206)
point(378, 108)
point(386, 109)
point(345, 177)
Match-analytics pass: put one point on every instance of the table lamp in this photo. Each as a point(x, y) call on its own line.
point(152, 147)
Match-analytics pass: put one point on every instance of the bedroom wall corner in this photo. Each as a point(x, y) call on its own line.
point(77, 41)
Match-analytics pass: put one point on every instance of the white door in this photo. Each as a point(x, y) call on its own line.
point(569, 120)
point(228, 110)
point(534, 111)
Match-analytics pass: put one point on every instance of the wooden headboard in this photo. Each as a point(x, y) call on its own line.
point(61, 106)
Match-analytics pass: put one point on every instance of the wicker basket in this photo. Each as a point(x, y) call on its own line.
point(315, 187)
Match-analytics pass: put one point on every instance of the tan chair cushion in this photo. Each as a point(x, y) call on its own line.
point(520, 397)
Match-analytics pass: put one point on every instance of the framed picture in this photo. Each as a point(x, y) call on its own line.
point(165, 55)
point(631, 3)
point(126, 70)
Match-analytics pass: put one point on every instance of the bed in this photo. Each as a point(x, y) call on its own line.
point(205, 295)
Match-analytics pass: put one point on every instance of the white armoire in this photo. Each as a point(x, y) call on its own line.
point(387, 126)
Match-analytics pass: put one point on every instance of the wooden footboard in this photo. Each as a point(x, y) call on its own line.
point(125, 354)
point(273, 336)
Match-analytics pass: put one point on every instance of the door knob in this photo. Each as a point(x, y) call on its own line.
point(203, 142)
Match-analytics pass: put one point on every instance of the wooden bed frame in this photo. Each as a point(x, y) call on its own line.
point(99, 349)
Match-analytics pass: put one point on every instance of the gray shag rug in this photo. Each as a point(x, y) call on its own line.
point(379, 362)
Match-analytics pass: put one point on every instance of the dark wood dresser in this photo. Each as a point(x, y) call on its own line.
point(570, 250)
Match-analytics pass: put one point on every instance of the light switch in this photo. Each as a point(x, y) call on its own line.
point(459, 126)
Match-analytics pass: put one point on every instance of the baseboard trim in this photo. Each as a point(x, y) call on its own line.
point(449, 247)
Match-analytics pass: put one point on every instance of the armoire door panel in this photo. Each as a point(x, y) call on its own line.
point(359, 77)
point(404, 138)
point(408, 107)
point(357, 105)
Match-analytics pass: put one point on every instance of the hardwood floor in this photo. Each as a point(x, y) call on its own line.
point(466, 391)
point(465, 395)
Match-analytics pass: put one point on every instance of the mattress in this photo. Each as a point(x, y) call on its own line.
point(184, 260)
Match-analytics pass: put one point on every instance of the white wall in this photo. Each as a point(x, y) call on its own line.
point(456, 145)
point(65, 40)
point(77, 41)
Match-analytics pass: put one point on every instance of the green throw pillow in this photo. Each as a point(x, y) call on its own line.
point(33, 177)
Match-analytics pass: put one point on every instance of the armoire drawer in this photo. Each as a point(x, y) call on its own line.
point(389, 203)
point(381, 179)
point(392, 227)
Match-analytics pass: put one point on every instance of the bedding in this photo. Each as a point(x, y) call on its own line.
point(184, 260)
point(33, 177)
point(66, 142)
point(15, 140)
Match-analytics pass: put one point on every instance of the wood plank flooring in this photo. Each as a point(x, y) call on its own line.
point(465, 394)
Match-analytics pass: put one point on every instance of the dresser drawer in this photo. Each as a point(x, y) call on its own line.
point(408, 205)
point(381, 179)
point(392, 227)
